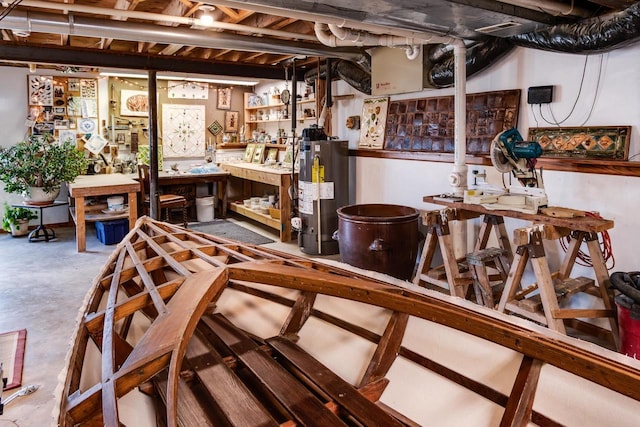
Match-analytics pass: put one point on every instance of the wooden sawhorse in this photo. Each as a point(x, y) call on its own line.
point(551, 287)
point(452, 274)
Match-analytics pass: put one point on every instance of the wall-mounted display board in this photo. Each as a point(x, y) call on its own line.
point(602, 142)
point(65, 107)
point(427, 124)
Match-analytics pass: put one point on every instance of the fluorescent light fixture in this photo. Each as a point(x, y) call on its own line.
point(229, 82)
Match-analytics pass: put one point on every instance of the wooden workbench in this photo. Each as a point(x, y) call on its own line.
point(218, 178)
point(100, 185)
point(279, 178)
point(529, 248)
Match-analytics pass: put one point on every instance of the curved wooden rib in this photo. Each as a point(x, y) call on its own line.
point(171, 276)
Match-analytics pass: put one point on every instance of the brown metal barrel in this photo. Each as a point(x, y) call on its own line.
point(379, 237)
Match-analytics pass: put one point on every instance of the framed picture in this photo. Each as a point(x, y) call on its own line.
point(61, 124)
point(272, 154)
point(215, 127)
point(73, 85)
point(248, 152)
point(258, 154)
point(231, 121)
point(60, 111)
point(134, 103)
point(224, 98)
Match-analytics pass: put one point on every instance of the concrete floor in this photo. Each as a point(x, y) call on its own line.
point(42, 286)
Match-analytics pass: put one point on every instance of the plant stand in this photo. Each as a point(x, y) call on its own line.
point(42, 233)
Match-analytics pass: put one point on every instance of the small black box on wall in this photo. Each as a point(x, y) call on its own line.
point(540, 95)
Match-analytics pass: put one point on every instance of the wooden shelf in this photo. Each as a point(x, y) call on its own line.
point(265, 219)
point(604, 167)
point(417, 155)
point(98, 216)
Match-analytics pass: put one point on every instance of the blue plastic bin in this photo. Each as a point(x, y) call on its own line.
point(112, 232)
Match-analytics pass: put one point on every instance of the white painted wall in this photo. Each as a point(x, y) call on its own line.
point(617, 102)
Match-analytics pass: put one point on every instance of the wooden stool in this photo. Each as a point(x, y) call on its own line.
point(478, 262)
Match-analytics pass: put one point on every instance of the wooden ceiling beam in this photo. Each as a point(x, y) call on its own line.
point(235, 16)
point(107, 58)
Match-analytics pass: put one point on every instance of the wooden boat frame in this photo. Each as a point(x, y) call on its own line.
point(157, 272)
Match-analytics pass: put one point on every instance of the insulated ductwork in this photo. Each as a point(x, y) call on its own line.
point(593, 35)
point(599, 34)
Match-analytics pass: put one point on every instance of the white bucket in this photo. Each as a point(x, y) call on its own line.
point(115, 203)
point(204, 208)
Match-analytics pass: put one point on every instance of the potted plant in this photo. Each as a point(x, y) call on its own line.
point(16, 220)
point(40, 165)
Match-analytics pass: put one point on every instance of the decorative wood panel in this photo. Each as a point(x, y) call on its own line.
point(601, 142)
point(427, 124)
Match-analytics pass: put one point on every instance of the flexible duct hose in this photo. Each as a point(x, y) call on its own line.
point(479, 57)
point(599, 34)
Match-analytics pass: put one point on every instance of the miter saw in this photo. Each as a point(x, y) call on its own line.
point(511, 154)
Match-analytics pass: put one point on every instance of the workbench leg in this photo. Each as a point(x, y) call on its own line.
point(484, 233)
point(496, 223)
point(547, 292)
point(450, 263)
point(514, 279)
point(132, 200)
point(285, 208)
point(571, 255)
point(602, 277)
point(426, 257)
point(81, 242)
point(503, 237)
point(222, 196)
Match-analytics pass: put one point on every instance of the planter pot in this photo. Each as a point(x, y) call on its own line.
point(37, 196)
point(20, 229)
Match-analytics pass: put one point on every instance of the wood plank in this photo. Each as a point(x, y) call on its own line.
point(236, 402)
point(588, 224)
point(190, 411)
point(341, 392)
point(303, 405)
point(563, 289)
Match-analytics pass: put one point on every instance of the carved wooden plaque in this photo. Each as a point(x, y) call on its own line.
point(595, 142)
point(427, 124)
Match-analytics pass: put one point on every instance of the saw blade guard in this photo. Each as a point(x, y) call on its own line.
point(509, 151)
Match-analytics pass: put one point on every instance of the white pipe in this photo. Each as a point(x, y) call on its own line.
point(360, 38)
point(147, 32)
point(458, 177)
point(413, 52)
point(121, 13)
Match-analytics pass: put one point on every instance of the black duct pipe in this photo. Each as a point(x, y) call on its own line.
point(592, 35)
point(351, 73)
point(479, 57)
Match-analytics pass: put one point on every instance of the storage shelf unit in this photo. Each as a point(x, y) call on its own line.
point(243, 175)
point(274, 111)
